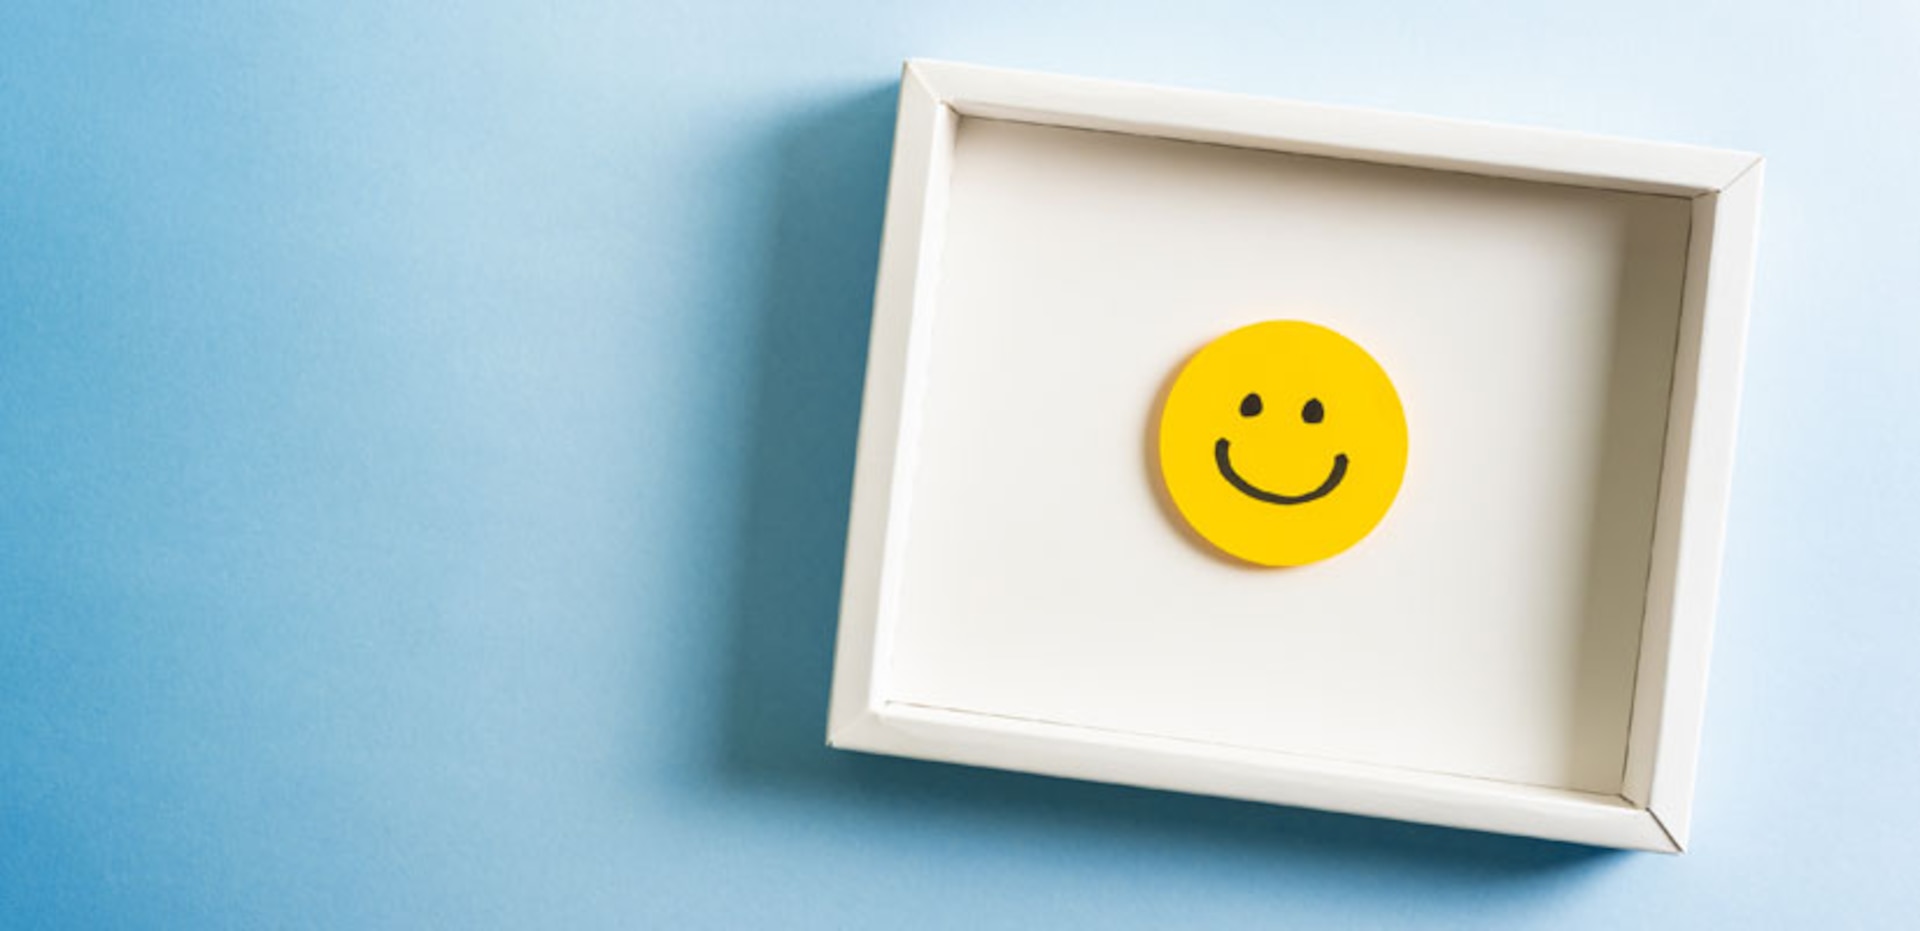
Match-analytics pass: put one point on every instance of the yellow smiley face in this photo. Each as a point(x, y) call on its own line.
point(1282, 443)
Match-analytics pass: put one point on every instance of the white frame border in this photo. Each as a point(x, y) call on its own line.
point(1652, 810)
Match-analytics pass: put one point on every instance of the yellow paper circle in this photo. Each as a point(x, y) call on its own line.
point(1282, 443)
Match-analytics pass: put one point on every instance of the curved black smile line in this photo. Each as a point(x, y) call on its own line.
point(1233, 478)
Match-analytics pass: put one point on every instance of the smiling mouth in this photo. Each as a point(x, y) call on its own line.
point(1260, 494)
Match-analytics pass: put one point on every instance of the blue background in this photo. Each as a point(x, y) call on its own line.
point(425, 436)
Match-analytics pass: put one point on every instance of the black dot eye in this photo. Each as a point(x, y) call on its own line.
point(1313, 412)
point(1250, 406)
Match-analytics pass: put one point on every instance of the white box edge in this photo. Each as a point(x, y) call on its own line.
point(1654, 809)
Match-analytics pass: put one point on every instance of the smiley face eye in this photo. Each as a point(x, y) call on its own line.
point(1314, 412)
point(1250, 406)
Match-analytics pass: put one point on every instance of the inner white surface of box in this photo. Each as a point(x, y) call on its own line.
point(1488, 628)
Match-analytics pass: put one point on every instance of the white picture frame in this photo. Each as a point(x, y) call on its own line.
point(1717, 195)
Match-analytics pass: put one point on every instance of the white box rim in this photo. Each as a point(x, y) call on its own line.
point(1653, 809)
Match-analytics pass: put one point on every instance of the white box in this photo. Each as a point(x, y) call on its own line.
point(1521, 646)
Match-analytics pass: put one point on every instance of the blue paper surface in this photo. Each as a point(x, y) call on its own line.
point(426, 432)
